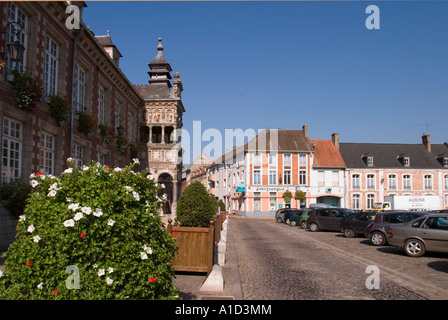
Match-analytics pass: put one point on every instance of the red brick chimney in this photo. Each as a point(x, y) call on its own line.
point(426, 140)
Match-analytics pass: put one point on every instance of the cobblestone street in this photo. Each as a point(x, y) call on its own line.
point(277, 261)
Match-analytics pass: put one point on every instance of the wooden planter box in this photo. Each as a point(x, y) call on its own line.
point(195, 248)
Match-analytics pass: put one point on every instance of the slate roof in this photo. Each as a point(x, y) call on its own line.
point(327, 155)
point(391, 155)
point(153, 91)
point(270, 141)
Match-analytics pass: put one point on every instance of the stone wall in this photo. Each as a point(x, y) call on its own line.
point(8, 225)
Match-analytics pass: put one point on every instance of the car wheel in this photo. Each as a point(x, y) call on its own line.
point(279, 220)
point(349, 233)
point(314, 227)
point(288, 221)
point(414, 248)
point(293, 223)
point(303, 224)
point(377, 238)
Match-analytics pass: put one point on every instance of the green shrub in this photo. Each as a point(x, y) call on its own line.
point(96, 219)
point(222, 205)
point(14, 195)
point(195, 207)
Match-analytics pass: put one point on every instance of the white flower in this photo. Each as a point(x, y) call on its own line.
point(86, 210)
point(163, 186)
point(128, 188)
point(68, 199)
point(69, 223)
point(52, 193)
point(95, 266)
point(109, 281)
point(110, 222)
point(143, 255)
point(85, 168)
point(78, 216)
point(42, 177)
point(40, 285)
point(150, 177)
point(36, 238)
point(147, 249)
point(32, 176)
point(69, 170)
point(101, 272)
point(73, 206)
point(98, 212)
point(1, 273)
point(164, 197)
point(22, 217)
point(136, 161)
point(54, 186)
point(110, 270)
point(117, 169)
point(30, 229)
point(136, 196)
point(34, 183)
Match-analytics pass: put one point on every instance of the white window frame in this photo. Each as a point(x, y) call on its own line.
point(259, 180)
point(80, 88)
point(51, 66)
point(47, 144)
point(428, 182)
point(392, 181)
point(272, 176)
point(302, 160)
point(18, 16)
point(78, 155)
point(407, 182)
point(370, 186)
point(13, 140)
point(303, 180)
point(370, 198)
point(356, 201)
point(356, 181)
point(257, 159)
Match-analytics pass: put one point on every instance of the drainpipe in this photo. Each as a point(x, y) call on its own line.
point(72, 118)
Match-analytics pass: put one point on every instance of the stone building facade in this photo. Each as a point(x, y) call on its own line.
point(160, 123)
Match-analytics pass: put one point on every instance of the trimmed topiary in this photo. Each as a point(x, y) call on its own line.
point(91, 233)
point(195, 207)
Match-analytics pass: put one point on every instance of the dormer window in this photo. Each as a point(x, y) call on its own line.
point(445, 161)
point(406, 161)
point(369, 161)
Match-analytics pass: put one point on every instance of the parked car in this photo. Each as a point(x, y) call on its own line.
point(281, 215)
point(356, 223)
point(427, 233)
point(378, 230)
point(294, 218)
point(303, 221)
point(327, 218)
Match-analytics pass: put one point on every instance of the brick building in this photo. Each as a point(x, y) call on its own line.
point(66, 62)
point(376, 170)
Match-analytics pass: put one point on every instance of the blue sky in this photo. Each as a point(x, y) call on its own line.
point(284, 64)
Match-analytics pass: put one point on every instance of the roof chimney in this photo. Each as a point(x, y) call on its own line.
point(335, 139)
point(426, 140)
point(305, 130)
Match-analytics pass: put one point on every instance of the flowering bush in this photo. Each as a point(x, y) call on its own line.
point(26, 92)
point(59, 108)
point(90, 234)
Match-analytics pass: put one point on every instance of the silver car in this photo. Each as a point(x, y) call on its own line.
point(427, 233)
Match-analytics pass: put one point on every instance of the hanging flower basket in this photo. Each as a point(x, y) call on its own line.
point(287, 195)
point(122, 144)
point(300, 195)
point(59, 108)
point(26, 91)
point(106, 132)
point(86, 123)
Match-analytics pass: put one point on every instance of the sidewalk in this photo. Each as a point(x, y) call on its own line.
point(190, 284)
